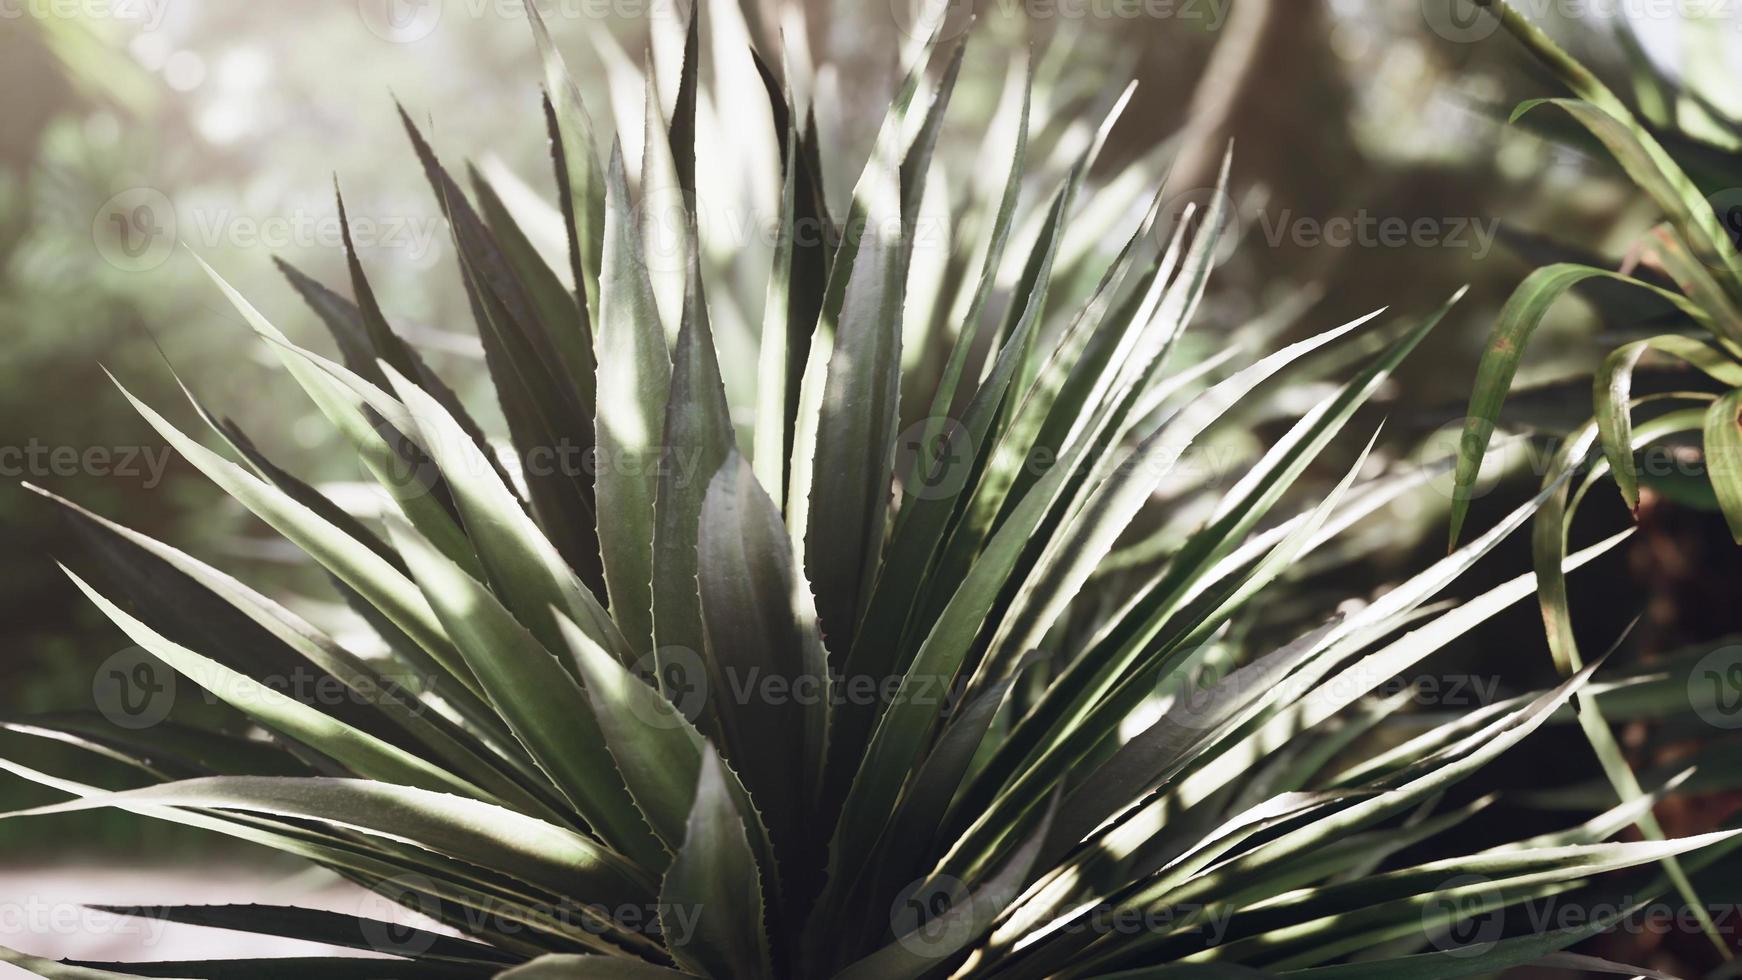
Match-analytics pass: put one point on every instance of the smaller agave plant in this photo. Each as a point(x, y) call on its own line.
point(828, 711)
point(1689, 270)
point(1689, 264)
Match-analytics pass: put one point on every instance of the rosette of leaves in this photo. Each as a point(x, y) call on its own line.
point(805, 705)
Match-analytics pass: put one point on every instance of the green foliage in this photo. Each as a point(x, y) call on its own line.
point(1692, 253)
point(1695, 266)
point(680, 713)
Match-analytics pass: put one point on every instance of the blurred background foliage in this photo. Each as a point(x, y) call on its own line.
point(231, 121)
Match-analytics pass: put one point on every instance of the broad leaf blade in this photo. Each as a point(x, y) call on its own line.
point(632, 405)
point(714, 877)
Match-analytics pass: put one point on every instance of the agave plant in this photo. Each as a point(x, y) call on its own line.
point(1690, 271)
point(831, 709)
point(1688, 266)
